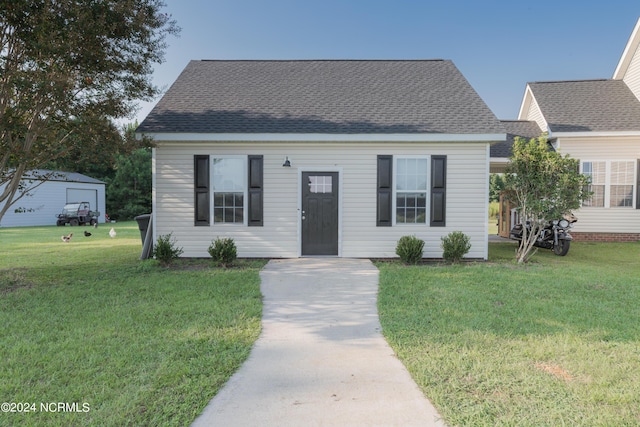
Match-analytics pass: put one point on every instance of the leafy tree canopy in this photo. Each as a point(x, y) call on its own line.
point(129, 192)
point(544, 184)
point(67, 69)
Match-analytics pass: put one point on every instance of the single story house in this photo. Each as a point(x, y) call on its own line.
point(41, 205)
point(598, 123)
point(321, 157)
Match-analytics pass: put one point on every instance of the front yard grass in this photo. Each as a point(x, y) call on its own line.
point(555, 342)
point(86, 322)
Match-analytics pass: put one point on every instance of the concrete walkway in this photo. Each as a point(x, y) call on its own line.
point(321, 359)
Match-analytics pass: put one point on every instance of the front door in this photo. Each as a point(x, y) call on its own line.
point(319, 213)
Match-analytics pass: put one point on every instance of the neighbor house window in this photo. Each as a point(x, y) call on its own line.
point(229, 177)
point(622, 178)
point(595, 171)
point(411, 190)
point(612, 183)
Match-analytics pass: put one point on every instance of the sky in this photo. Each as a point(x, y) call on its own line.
point(498, 46)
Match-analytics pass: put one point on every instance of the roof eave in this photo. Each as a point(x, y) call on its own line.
point(319, 137)
point(599, 134)
point(628, 53)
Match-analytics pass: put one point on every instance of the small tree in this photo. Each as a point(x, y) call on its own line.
point(545, 185)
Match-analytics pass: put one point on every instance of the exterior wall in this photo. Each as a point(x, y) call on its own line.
point(466, 199)
point(598, 219)
point(46, 201)
point(632, 76)
point(532, 112)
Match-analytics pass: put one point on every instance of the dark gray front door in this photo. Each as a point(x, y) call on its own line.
point(319, 213)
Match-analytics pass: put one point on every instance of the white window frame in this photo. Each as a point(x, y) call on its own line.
point(608, 183)
point(427, 158)
point(245, 190)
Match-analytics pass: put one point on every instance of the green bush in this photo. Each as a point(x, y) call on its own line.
point(455, 245)
point(165, 249)
point(409, 249)
point(223, 251)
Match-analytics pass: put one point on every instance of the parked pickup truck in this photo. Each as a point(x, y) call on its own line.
point(77, 213)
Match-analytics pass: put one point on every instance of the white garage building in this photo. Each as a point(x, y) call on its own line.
point(42, 204)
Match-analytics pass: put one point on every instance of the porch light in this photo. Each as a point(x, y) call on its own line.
point(287, 163)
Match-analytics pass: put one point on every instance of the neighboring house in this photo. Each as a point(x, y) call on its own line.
point(598, 123)
point(41, 205)
point(321, 158)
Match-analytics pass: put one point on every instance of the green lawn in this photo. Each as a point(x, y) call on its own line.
point(556, 342)
point(86, 322)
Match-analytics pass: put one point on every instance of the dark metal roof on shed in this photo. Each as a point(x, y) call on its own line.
point(321, 96)
point(587, 105)
point(523, 128)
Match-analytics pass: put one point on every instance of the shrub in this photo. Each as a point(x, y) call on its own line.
point(223, 251)
point(165, 249)
point(455, 245)
point(409, 249)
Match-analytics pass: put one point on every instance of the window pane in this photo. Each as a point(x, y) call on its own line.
point(401, 201)
point(621, 195)
point(410, 215)
point(411, 208)
point(239, 215)
point(411, 174)
point(622, 173)
point(218, 215)
point(597, 199)
point(229, 174)
point(320, 184)
point(228, 207)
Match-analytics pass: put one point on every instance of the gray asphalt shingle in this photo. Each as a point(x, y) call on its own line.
point(587, 105)
point(326, 96)
point(524, 128)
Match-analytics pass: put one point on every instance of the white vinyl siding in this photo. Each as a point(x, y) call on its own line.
point(632, 76)
point(605, 149)
point(467, 185)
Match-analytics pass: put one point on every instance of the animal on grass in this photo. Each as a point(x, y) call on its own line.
point(112, 232)
point(95, 225)
point(87, 234)
point(67, 238)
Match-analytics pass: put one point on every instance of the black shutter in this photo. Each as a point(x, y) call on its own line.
point(438, 191)
point(385, 190)
point(201, 189)
point(638, 186)
point(255, 191)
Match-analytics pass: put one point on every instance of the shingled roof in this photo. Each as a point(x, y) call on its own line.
point(327, 97)
point(587, 105)
point(523, 128)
